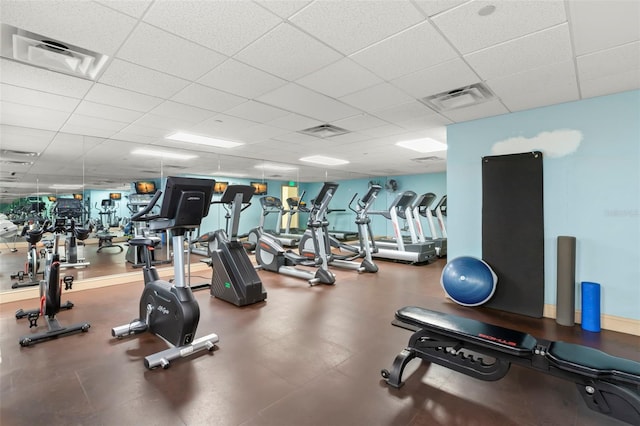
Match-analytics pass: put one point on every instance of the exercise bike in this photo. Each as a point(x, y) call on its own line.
point(50, 295)
point(168, 310)
point(32, 265)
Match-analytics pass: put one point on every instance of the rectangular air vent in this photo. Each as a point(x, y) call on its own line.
point(324, 131)
point(427, 159)
point(463, 97)
point(55, 55)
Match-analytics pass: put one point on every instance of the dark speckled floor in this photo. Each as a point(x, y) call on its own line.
point(307, 356)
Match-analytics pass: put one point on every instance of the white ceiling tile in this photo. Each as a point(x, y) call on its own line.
point(31, 116)
point(283, 8)
point(259, 133)
point(225, 26)
point(294, 122)
point(433, 7)
point(288, 53)
point(441, 78)
point(347, 138)
point(137, 129)
point(84, 24)
point(153, 48)
point(205, 97)
point(486, 109)
point(25, 138)
point(23, 75)
point(21, 95)
point(88, 131)
point(377, 97)
point(298, 139)
point(168, 124)
point(404, 112)
point(93, 109)
point(609, 84)
point(222, 125)
point(140, 79)
point(340, 78)
point(115, 96)
point(554, 83)
point(353, 25)
point(301, 100)
point(609, 62)
point(359, 122)
point(128, 136)
point(241, 79)
point(511, 19)
point(93, 122)
point(598, 25)
point(411, 50)
point(133, 8)
point(386, 130)
point(182, 112)
point(256, 111)
point(428, 122)
point(524, 53)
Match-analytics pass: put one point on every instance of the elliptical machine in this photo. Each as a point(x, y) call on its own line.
point(167, 310)
point(50, 295)
point(365, 237)
point(271, 256)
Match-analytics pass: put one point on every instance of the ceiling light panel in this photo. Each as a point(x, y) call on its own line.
point(325, 161)
point(163, 154)
point(203, 140)
point(424, 145)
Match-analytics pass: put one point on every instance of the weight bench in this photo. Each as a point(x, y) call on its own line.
point(608, 384)
point(105, 240)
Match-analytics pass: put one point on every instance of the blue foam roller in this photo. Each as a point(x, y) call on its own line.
point(468, 281)
point(590, 306)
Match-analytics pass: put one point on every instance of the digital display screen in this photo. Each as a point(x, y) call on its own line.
point(260, 187)
point(115, 196)
point(145, 187)
point(52, 198)
point(77, 196)
point(220, 187)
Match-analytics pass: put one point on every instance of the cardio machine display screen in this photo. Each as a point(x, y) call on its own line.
point(115, 196)
point(260, 187)
point(220, 187)
point(145, 187)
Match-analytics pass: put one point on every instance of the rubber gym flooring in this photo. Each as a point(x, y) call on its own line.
point(306, 356)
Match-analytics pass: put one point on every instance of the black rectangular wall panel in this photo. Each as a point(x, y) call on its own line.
point(513, 230)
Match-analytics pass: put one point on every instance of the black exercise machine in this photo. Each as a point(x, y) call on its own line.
point(32, 266)
point(167, 310)
point(608, 384)
point(234, 278)
point(50, 295)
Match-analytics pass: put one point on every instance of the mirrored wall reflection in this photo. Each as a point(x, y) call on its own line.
point(47, 174)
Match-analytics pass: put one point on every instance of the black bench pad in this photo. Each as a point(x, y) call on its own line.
point(513, 342)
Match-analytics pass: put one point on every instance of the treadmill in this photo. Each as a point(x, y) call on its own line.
point(412, 251)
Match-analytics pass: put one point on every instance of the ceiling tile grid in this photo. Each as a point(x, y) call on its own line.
point(260, 71)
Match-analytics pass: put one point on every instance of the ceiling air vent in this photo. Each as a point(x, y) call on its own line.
point(427, 159)
point(324, 131)
point(459, 98)
point(44, 52)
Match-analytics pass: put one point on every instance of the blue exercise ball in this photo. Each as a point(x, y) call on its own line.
point(468, 281)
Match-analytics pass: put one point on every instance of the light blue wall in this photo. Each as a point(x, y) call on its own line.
point(428, 182)
point(592, 194)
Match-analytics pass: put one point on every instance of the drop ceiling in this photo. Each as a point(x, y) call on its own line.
point(260, 72)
